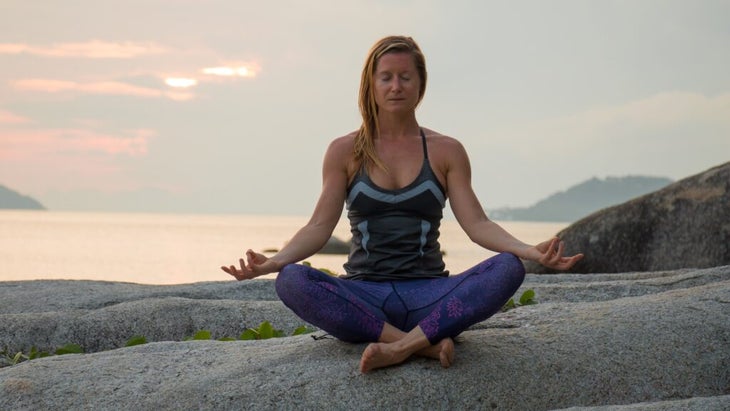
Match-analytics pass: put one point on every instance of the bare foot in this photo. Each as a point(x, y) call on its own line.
point(442, 351)
point(379, 355)
point(446, 355)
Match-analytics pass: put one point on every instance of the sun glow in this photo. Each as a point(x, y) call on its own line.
point(181, 82)
point(224, 71)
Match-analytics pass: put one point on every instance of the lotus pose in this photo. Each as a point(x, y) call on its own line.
point(395, 177)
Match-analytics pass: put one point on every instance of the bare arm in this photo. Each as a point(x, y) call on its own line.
point(314, 235)
point(485, 232)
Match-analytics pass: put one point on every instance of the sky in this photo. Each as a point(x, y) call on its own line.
point(212, 106)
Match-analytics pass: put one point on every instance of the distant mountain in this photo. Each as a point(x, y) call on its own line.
point(10, 199)
point(583, 199)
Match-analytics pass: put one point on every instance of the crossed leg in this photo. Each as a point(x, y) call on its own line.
point(341, 308)
point(395, 346)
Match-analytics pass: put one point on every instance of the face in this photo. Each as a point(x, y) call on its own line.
point(396, 83)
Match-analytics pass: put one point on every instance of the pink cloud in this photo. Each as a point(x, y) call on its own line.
point(100, 88)
point(27, 145)
point(67, 159)
point(7, 117)
point(94, 49)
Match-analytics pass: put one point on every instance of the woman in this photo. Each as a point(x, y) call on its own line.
point(395, 177)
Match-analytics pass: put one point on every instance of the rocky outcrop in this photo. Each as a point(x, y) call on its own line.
point(13, 200)
point(684, 225)
point(335, 246)
point(631, 341)
point(582, 199)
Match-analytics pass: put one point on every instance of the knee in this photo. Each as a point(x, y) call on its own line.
point(289, 280)
point(511, 267)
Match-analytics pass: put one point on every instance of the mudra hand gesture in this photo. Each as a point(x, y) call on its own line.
point(256, 265)
point(552, 255)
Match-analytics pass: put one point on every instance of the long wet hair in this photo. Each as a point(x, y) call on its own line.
point(364, 150)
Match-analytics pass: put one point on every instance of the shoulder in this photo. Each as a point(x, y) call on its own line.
point(343, 144)
point(340, 154)
point(443, 147)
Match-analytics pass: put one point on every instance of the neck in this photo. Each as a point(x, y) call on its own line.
point(392, 126)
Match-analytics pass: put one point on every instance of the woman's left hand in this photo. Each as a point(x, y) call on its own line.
point(551, 255)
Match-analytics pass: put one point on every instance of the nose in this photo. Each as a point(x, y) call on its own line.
point(396, 84)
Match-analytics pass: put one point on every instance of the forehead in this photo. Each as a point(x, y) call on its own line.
point(396, 61)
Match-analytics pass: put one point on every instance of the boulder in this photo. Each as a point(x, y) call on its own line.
point(630, 341)
point(684, 225)
point(105, 315)
point(335, 246)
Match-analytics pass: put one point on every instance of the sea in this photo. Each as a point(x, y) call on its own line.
point(182, 248)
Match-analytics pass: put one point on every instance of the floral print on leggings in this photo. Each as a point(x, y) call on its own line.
point(356, 311)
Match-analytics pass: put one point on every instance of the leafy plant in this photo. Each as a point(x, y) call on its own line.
point(70, 349)
point(136, 340)
point(527, 298)
point(302, 329)
point(8, 358)
point(324, 270)
point(264, 331)
point(200, 335)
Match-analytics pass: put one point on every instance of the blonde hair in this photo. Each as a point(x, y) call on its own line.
point(364, 150)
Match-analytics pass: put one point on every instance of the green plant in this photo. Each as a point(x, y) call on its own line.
point(200, 335)
point(136, 340)
point(8, 358)
point(527, 298)
point(264, 331)
point(69, 349)
point(324, 270)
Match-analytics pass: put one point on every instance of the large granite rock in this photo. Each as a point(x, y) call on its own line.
point(686, 224)
point(632, 341)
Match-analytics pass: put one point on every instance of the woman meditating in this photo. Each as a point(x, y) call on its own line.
point(395, 178)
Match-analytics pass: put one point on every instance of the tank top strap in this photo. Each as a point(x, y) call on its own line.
point(425, 147)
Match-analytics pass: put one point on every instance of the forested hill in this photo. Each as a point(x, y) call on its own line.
point(583, 199)
point(10, 199)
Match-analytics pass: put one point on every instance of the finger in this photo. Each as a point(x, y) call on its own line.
point(553, 257)
point(569, 262)
point(547, 254)
point(230, 270)
point(255, 258)
point(551, 248)
point(560, 250)
point(233, 272)
point(558, 245)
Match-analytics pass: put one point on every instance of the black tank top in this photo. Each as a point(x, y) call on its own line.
point(395, 232)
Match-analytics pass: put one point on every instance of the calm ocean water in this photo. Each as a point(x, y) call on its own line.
point(178, 249)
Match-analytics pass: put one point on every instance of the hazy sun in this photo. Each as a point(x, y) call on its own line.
point(180, 82)
point(232, 71)
point(241, 71)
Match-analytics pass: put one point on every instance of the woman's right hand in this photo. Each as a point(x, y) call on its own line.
point(256, 265)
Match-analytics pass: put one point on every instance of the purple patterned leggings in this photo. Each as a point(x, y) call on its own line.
point(355, 311)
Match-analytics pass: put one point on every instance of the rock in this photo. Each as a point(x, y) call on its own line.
point(335, 246)
point(684, 225)
point(630, 341)
point(720, 403)
point(103, 316)
point(13, 200)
